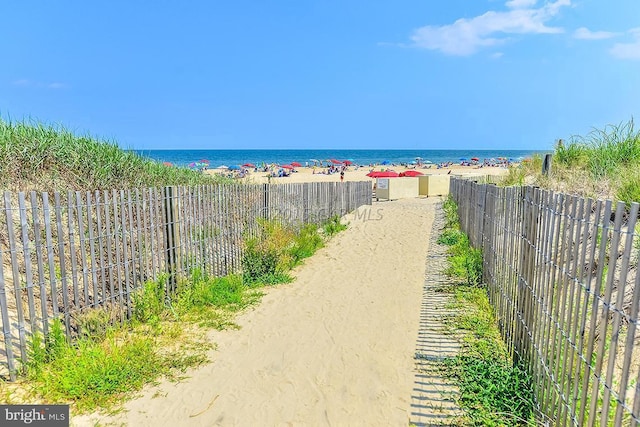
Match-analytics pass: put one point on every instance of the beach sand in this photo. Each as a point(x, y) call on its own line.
point(335, 347)
point(306, 174)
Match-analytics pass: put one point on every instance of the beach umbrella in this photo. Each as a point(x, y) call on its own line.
point(204, 161)
point(475, 159)
point(286, 167)
point(411, 173)
point(335, 162)
point(387, 174)
point(348, 162)
point(234, 168)
point(382, 174)
point(462, 159)
point(248, 165)
point(315, 160)
point(223, 167)
point(418, 158)
point(192, 165)
point(385, 162)
point(296, 164)
point(427, 161)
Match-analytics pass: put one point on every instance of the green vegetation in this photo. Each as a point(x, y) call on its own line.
point(166, 334)
point(47, 158)
point(278, 248)
point(603, 164)
point(493, 392)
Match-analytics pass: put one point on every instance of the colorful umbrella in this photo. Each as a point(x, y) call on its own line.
point(348, 162)
point(248, 165)
point(296, 164)
point(382, 174)
point(287, 166)
point(335, 162)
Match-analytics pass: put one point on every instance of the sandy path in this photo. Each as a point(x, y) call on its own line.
point(335, 347)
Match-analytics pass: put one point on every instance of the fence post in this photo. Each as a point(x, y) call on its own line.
point(171, 236)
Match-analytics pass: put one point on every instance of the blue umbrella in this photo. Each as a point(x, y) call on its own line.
point(234, 167)
point(385, 162)
point(462, 159)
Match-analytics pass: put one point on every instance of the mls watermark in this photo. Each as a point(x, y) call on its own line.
point(36, 415)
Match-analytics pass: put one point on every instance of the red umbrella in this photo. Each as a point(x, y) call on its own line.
point(248, 165)
point(287, 166)
point(475, 159)
point(336, 162)
point(204, 161)
point(411, 173)
point(382, 174)
point(296, 164)
point(348, 162)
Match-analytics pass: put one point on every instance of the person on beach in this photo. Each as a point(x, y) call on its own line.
point(342, 176)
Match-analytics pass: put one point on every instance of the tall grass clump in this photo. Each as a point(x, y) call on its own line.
point(34, 156)
point(278, 248)
point(493, 391)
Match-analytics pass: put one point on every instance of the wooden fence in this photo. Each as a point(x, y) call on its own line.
point(562, 276)
point(64, 254)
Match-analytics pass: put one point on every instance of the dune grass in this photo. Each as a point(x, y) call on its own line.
point(603, 164)
point(493, 390)
point(34, 156)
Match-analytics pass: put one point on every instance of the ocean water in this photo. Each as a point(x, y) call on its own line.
point(361, 157)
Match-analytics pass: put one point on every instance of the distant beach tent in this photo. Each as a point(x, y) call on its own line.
point(296, 164)
point(411, 173)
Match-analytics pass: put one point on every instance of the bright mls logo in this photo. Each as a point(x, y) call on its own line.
point(37, 415)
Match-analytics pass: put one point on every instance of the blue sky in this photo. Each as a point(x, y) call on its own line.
point(428, 74)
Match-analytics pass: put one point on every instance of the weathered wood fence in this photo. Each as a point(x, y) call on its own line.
point(64, 254)
point(562, 275)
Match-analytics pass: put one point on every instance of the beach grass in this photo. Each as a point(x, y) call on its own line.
point(493, 390)
point(35, 156)
point(604, 164)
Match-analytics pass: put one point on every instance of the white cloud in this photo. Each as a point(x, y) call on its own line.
point(520, 4)
point(628, 50)
point(467, 36)
point(497, 55)
point(584, 33)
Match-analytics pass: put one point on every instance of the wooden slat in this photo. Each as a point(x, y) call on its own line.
point(42, 286)
point(63, 265)
point(95, 300)
point(83, 252)
point(606, 302)
point(26, 253)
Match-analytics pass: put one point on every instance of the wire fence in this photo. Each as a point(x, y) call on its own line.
point(562, 275)
point(64, 254)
